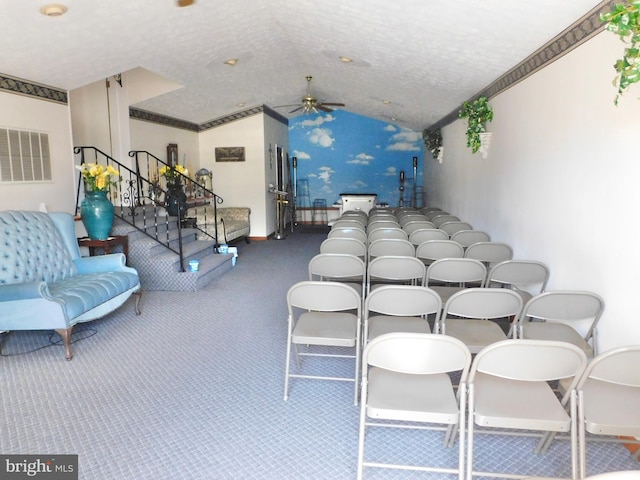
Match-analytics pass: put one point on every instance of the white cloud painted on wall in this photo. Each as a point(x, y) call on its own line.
point(390, 128)
point(316, 122)
point(325, 174)
point(406, 141)
point(301, 155)
point(391, 171)
point(321, 137)
point(361, 159)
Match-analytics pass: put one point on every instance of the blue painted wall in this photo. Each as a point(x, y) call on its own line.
point(341, 152)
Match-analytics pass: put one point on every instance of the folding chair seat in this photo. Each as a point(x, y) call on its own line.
point(339, 267)
point(406, 384)
point(491, 253)
point(466, 238)
point(327, 323)
point(564, 315)
point(509, 390)
point(395, 270)
point(450, 275)
point(433, 250)
point(422, 235)
point(351, 232)
point(453, 227)
point(609, 398)
point(378, 233)
point(347, 246)
point(391, 246)
point(414, 225)
point(399, 308)
point(468, 315)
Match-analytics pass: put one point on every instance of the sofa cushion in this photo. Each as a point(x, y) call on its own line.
point(81, 293)
point(32, 249)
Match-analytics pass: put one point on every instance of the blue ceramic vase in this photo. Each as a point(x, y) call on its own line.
point(176, 200)
point(97, 215)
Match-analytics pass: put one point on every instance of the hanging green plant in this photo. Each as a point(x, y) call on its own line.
point(477, 113)
point(624, 21)
point(432, 141)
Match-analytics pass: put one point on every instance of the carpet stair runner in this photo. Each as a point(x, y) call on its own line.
point(159, 267)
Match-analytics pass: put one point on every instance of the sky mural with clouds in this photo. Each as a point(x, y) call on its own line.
point(341, 152)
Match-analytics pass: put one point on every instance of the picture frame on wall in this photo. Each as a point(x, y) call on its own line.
point(229, 154)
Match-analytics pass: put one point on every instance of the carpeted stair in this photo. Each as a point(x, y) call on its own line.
point(158, 266)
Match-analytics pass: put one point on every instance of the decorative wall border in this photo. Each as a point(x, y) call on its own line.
point(572, 37)
point(30, 89)
point(146, 116)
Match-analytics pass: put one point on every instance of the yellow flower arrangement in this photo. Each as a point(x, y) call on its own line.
point(98, 178)
point(172, 174)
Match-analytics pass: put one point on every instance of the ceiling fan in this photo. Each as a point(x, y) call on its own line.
point(310, 103)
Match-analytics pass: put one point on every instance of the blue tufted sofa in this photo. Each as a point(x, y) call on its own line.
point(44, 282)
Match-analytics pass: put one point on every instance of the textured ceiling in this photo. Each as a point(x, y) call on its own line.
point(425, 56)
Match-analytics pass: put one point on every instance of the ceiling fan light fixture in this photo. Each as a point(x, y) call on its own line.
point(53, 10)
point(231, 62)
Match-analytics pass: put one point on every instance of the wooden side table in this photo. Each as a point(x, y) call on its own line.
point(105, 245)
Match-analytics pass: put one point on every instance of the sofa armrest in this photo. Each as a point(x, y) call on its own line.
point(113, 262)
point(23, 291)
point(234, 214)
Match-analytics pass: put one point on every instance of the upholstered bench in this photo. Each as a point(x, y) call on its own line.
point(233, 222)
point(45, 283)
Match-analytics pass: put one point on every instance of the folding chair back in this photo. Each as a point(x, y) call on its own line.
point(387, 233)
point(432, 250)
point(395, 269)
point(490, 253)
point(348, 246)
point(339, 267)
point(414, 225)
point(453, 227)
point(391, 246)
point(422, 235)
point(439, 220)
point(351, 232)
point(346, 223)
point(466, 238)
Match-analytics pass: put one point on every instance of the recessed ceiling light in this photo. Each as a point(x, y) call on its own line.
point(241, 104)
point(345, 59)
point(386, 102)
point(231, 62)
point(53, 10)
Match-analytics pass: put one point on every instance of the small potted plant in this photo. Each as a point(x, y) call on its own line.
point(624, 21)
point(477, 113)
point(433, 142)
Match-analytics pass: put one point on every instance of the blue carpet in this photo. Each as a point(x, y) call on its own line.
point(193, 389)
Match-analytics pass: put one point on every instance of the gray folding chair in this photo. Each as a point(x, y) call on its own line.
point(395, 270)
point(491, 253)
point(564, 315)
point(391, 246)
point(378, 233)
point(399, 308)
point(414, 225)
point(343, 232)
point(609, 398)
point(509, 389)
point(466, 238)
point(422, 235)
point(406, 378)
point(347, 223)
point(339, 267)
point(450, 275)
point(440, 220)
point(526, 277)
point(433, 250)
point(411, 217)
point(468, 315)
point(453, 227)
point(348, 246)
point(326, 321)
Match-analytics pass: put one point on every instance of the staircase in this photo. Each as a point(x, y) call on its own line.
point(158, 267)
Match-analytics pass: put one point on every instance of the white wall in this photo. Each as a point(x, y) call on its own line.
point(561, 180)
point(240, 184)
point(27, 113)
point(154, 138)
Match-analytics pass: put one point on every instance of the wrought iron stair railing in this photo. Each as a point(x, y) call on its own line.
point(140, 197)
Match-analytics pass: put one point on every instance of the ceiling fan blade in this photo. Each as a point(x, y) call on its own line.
point(334, 104)
point(295, 110)
point(323, 108)
point(283, 106)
